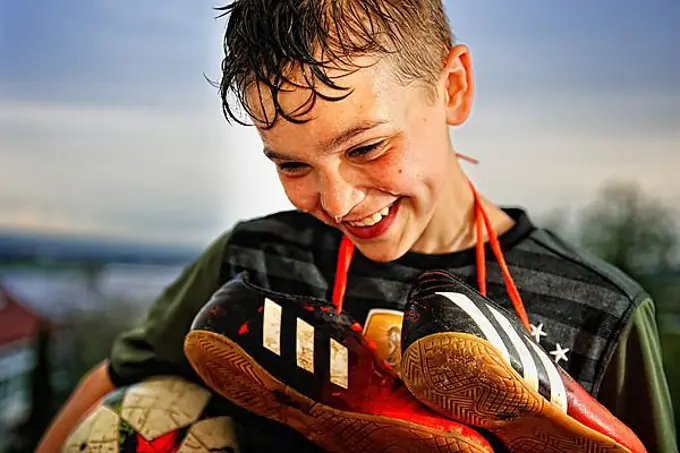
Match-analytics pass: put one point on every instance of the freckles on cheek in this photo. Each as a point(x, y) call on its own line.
point(400, 177)
point(300, 195)
point(384, 174)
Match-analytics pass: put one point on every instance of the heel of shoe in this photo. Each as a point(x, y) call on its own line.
point(465, 378)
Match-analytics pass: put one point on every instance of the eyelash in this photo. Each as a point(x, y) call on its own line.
point(363, 151)
point(292, 168)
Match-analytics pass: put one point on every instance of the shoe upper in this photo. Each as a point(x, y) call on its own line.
point(300, 341)
point(440, 302)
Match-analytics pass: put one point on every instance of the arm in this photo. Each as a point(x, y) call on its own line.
point(634, 387)
point(95, 385)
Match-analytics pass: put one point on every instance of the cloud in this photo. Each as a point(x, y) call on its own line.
point(130, 172)
point(116, 53)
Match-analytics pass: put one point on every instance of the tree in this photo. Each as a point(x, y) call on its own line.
point(558, 220)
point(634, 232)
point(92, 333)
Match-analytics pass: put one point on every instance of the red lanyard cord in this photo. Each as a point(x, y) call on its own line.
point(482, 222)
point(344, 259)
point(481, 216)
point(481, 253)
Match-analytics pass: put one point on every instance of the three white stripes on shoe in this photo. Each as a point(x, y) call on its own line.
point(558, 394)
point(304, 344)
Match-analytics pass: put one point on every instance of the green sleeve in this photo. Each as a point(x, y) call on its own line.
point(634, 387)
point(156, 346)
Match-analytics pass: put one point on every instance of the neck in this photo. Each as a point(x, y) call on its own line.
point(452, 227)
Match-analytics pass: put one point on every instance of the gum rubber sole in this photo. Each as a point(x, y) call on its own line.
point(464, 378)
point(230, 371)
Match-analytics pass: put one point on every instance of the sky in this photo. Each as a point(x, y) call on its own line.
point(108, 126)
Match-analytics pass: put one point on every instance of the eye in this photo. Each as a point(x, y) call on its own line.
point(365, 152)
point(292, 168)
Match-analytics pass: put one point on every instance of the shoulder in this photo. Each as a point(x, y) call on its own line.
point(288, 251)
point(550, 263)
point(269, 244)
point(580, 265)
point(280, 223)
point(292, 228)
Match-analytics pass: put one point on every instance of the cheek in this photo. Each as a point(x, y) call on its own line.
point(300, 192)
point(409, 171)
point(429, 158)
point(393, 173)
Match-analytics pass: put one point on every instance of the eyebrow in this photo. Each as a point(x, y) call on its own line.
point(333, 142)
point(272, 155)
point(350, 133)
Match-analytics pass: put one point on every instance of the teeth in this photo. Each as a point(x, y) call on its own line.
point(372, 219)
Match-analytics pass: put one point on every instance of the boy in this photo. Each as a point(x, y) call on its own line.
point(353, 101)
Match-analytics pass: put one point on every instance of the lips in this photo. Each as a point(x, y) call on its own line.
point(372, 219)
point(373, 226)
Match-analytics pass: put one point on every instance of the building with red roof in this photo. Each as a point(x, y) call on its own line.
point(18, 331)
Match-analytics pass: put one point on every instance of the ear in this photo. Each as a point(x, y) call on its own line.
point(458, 85)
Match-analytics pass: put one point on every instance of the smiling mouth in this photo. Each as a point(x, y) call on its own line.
point(372, 219)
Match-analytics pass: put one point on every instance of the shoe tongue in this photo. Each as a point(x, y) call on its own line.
point(440, 280)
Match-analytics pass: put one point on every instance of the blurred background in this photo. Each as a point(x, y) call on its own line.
point(117, 167)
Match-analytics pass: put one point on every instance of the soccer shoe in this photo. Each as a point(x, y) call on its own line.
point(472, 361)
point(296, 361)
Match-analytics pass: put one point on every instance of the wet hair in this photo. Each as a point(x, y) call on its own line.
point(271, 46)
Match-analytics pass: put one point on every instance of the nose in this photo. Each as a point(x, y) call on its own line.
point(339, 193)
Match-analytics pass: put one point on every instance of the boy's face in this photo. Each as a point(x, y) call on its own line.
point(376, 165)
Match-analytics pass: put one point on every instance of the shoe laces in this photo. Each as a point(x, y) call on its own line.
point(482, 222)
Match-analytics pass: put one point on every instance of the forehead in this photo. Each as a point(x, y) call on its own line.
point(370, 98)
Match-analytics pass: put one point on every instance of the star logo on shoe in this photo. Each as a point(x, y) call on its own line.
point(560, 353)
point(537, 332)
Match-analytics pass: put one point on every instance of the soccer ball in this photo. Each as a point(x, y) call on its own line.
point(160, 415)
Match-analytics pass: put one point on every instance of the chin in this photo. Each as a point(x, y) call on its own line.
point(381, 253)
